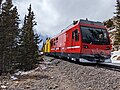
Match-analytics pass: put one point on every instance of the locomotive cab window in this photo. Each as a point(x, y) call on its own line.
point(75, 35)
point(95, 35)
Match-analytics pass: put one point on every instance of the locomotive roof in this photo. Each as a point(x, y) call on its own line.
point(91, 22)
point(83, 21)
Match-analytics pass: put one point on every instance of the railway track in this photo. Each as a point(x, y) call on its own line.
point(110, 66)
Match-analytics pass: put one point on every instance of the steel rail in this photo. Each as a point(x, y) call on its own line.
point(110, 66)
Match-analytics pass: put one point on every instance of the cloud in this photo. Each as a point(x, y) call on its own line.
point(45, 15)
point(54, 15)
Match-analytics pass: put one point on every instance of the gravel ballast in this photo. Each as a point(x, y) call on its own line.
point(64, 75)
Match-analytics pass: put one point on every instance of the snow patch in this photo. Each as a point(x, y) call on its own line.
point(112, 30)
point(3, 87)
point(14, 78)
point(114, 56)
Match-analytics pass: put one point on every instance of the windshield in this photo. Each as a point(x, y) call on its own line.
point(94, 35)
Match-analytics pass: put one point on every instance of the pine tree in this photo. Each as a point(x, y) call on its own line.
point(0, 2)
point(8, 34)
point(29, 40)
point(108, 23)
point(117, 35)
point(0, 37)
point(16, 31)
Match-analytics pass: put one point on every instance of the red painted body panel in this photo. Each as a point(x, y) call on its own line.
point(96, 49)
point(66, 43)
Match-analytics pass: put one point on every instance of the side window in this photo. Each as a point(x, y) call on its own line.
point(75, 35)
point(54, 42)
point(51, 43)
point(57, 40)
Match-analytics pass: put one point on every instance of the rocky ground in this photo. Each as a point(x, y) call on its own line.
point(56, 74)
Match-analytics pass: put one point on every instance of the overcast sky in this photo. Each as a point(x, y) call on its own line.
point(54, 15)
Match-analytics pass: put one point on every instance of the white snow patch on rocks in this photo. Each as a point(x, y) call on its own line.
point(115, 56)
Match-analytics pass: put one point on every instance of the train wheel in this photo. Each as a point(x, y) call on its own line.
point(77, 61)
point(68, 58)
point(73, 59)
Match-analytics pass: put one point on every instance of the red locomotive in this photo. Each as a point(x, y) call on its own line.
point(83, 41)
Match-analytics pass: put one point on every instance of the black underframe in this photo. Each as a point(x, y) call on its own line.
point(92, 57)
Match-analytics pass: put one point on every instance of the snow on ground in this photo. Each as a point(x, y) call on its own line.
point(112, 30)
point(115, 57)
